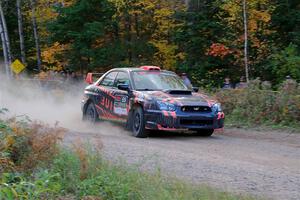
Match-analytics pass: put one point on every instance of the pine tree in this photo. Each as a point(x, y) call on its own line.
point(87, 27)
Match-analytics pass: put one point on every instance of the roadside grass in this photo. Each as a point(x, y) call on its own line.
point(101, 180)
point(232, 121)
point(33, 165)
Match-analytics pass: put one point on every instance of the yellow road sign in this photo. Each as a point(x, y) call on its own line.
point(17, 66)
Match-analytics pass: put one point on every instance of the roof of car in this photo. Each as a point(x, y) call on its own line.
point(132, 69)
point(127, 69)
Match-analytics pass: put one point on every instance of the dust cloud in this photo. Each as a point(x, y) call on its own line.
point(54, 103)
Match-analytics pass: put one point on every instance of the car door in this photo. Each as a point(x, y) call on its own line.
point(121, 97)
point(105, 99)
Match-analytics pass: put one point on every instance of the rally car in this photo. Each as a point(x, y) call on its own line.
point(148, 98)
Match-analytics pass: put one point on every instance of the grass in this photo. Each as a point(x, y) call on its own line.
point(71, 177)
point(233, 121)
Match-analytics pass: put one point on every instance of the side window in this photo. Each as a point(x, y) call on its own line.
point(109, 79)
point(122, 78)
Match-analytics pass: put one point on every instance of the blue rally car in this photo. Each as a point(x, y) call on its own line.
point(148, 98)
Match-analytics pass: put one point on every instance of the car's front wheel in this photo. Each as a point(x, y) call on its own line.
point(91, 114)
point(205, 132)
point(138, 123)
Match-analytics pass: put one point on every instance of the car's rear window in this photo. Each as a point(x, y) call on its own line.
point(156, 80)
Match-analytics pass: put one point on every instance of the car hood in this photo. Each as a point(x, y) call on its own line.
point(181, 98)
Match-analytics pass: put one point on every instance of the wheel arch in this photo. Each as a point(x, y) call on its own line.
point(134, 106)
point(137, 104)
point(89, 101)
point(130, 113)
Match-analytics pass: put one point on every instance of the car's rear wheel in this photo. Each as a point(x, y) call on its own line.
point(138, 123)
point(205, 132)
point(91, 114)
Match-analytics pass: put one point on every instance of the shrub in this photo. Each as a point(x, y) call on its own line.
point(285, 62)
point(25, 144)
point(258, 105)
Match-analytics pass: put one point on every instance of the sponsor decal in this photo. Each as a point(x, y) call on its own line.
point(120, 105)
point(106, 103)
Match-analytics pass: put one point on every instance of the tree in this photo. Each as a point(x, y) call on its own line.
point(12, 19)
point(285, 63)
point(86, 26)
point(21, 33)
point(133, 27)
point(249, 33)
point(4, 48)
point(36, 35)
point(166, 53)
point(5, 42)
point(246, 39)
point(284, 59)
point(286, 23)
point(55, 56)
point(201, 28)
point(144, 29)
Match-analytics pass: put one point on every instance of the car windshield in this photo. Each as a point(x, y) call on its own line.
point(144, 80)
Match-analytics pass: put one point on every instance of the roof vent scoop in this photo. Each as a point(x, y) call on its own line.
point(150, 68)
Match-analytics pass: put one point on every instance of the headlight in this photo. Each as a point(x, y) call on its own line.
point(217, 107)
point(166, 106)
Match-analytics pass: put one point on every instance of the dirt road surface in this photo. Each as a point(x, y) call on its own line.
point(263, 164)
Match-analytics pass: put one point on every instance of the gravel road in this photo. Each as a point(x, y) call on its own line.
point(263, 164)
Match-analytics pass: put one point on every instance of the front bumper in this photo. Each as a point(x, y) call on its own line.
point(166, 120)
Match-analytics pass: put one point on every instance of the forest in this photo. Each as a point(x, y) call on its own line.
point(254, 157)
point(208, 39)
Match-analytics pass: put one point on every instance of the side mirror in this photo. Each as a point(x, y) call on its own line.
point(124, 87)
point(195, 89)
point(89, 78)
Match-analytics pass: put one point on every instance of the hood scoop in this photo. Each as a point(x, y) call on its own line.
point(178, 92)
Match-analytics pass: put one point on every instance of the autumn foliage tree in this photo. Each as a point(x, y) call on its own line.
point(205, 39)
point(218, 50)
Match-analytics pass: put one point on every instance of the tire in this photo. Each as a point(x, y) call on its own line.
point(91, 114)
point(138, 123)
point(205, 132)
point(128, 125)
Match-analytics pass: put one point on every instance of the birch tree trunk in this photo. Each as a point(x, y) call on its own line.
point(128, 36)
point(4, 49)
point(246, 40)
point(21, 34)
point(6, 43)
point(187, 3)
point(36, 35)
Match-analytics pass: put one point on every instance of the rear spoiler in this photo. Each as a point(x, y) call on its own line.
point(92, 77)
